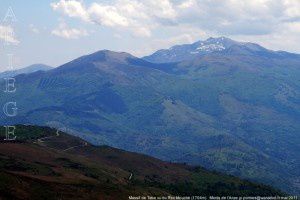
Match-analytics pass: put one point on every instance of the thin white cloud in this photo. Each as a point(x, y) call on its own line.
point(71, 8)
point(187, 4)
point(34, 29)
point(137, 17)
point(68, 33)
point(107, 15)
point(292, 8)
point(118, 36)
point(7, 34)
point(233, 18)
point(250, 17)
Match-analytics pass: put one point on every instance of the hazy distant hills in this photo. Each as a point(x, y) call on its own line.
point(233, 109)
point(66, 167)
point(25, 70)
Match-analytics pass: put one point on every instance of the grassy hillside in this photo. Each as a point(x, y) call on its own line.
point(46, 164)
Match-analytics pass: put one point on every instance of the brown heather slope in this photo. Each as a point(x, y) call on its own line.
point(43, 165)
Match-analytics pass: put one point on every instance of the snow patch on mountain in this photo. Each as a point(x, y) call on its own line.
point(211, 47)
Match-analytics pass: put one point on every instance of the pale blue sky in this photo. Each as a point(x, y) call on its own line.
point(56, 31)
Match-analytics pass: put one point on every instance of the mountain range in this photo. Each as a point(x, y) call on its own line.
point(67, 167)
point(225, 105)
point(222, 45)
point(25, 70)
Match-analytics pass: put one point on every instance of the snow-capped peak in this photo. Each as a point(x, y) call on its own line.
point(211, 47)
point(201, 48)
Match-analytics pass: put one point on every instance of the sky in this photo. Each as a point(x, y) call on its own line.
point(54, 32)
